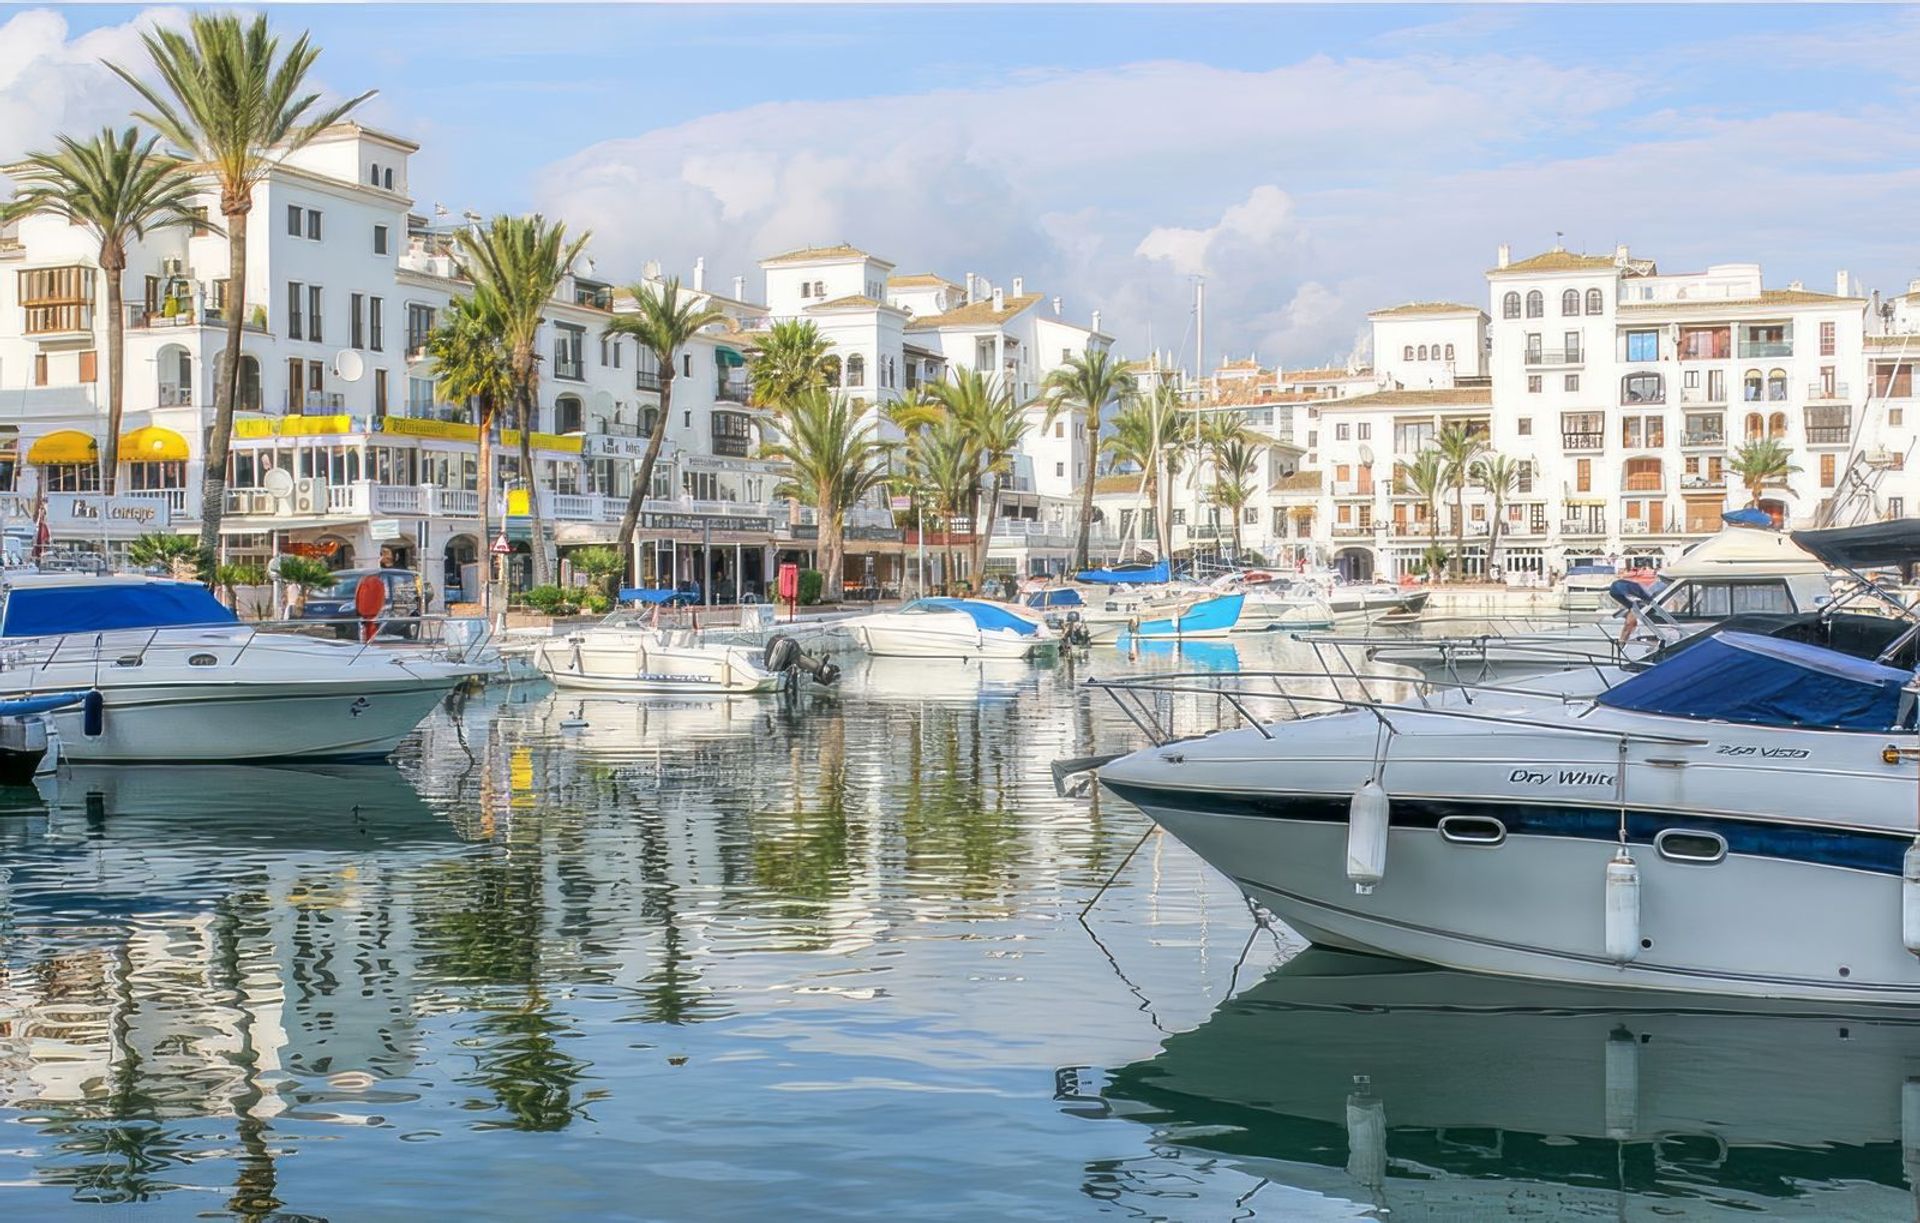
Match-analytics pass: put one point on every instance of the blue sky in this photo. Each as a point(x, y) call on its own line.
point(1312, 162)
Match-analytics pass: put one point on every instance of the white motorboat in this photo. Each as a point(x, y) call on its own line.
point(1739, 570)
point(952, 628)
point(171, 675)
point(1584, 589)
point(1274, 602)
point(1173, 612)
point(1365, 602)
point(625, 653)
point(1737, 818)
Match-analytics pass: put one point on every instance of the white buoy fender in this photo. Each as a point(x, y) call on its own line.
point(1910, 898)
point(1623, 908)
point(1367, 837)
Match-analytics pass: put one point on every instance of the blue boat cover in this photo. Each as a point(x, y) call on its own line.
point(45, 611)
point(1153, 574)
point(654, 598)
point(1592, 569)
point(1747, 516)
point(986, 615)
point(1041, 599)
point(40, 704)
point(1767, 681)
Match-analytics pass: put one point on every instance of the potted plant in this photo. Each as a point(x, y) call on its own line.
point(301, 575)
point(176, 555)
point(230, 576)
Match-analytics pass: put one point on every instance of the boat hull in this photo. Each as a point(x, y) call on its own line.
point(619, 661)
point(890, 640)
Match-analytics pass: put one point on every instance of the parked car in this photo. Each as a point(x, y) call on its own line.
point(405, 602)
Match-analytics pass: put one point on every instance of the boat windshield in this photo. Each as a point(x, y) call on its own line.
point(89, 607)
point(1767, 681)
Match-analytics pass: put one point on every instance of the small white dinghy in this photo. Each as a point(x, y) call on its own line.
point(625, 654)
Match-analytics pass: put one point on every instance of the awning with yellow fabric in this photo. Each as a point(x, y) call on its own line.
point(64, 446)
point(152, 444)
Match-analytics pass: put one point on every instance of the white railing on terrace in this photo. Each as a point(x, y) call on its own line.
point(175, 499)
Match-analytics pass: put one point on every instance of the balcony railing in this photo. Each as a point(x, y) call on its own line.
point(175, 396)
point(175, 499)
point(308, 402)
point(1766, 348)
point(1351, 530)
point(1697, 394)
point(1838, 390)
point(732, 390)
point(1828, 435)
point(646, 380)
point(58, 320)
point(1583, 526)
point(1693, 482)
point(1583, 441)
point(1556, 356)
point(1704, 439)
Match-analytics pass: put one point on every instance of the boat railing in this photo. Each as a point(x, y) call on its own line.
point(1288, 694)
point(396, 638)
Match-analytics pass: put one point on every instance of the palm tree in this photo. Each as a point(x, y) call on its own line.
point(834, 459)
point(119, 188)
point(471, 366)
point(1233, 468)
point(791, 361)
point(1459, 447)
point(663, 324)
point(1761, 462)
point(1499, 475)
point(1087, 384)
point(1426, 478)
point(234, 104)
point(520, 262)
point(995, 423)
point(1146, 435)
point(947, 464)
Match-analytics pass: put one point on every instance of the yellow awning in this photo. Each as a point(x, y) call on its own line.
point(64, 446)
point(153, 444)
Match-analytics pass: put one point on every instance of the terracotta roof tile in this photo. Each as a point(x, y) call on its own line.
point(920, 280)
point(1299, 482)
point(808, 253)
point(853, 300)
point(1557, 261)
point(1768, 297)
point(979, 314)
point(1456, 396)
point(1417, 308)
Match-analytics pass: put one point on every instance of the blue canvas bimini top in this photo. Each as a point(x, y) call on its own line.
point(1767, 681)
point(89, 607)
point(1055, 598)
point(985, 615)
point(1142, 574)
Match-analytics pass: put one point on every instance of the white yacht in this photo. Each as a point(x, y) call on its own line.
point(1737, 818)
point(1274, 602)
point(169, 674)
point(625, 653)
point(952, 628)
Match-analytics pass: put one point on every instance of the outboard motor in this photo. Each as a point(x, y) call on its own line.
point(1074, 633)
point(784, 654)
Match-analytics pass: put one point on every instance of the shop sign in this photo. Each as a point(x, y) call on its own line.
point(704, 522)
point(87, 514)
point(612, 446)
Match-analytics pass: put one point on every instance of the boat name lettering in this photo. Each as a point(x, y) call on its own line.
point(1765, 753)
point(1565, 777)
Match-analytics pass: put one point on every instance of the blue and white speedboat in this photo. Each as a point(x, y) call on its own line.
point(952, 628)
point(169, 674)
point(1737, 818)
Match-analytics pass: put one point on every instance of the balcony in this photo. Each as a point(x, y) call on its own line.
point(174, 395)
point(732, 390)
point(1704, 439)
point(1697, 483)
point(1352, 531)
point(1556, 356)
point(56, 301)
point(309, 403)
point(1765, 348)
point(141, 317)
point(1583, 441)
point(1583, 526)
point(1635, 526)
point(50, 322)
point(1703, 395)
point(1352, 488)
point(1828, 435)
point(1816, 392)
point(175, 499)
point(646, 380)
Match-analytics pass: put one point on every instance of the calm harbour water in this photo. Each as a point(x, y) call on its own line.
point(818, 959)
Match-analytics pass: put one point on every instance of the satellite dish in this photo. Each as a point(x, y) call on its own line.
point(347, 365)
point(279, 482)
point(1366, 455)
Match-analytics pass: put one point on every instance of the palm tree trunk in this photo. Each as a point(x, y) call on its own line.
point(1236, 533)
point(832, 525)
point(113, 261)
point(983, 529)
point(484, 569)
point(1086, 493)
point(1459, 532)
point(226, 383)
point(542, 568)
point(643, 479)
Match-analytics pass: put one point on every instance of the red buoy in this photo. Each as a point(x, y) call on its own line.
point(369, 600)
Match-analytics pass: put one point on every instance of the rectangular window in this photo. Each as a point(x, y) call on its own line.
point(313, 313)
point(89, 366)
point(1896, 416)
point(1893, 380)
point(355, 335)
point(1826, 471)
point(686, 365)
point(39, 369)
point(296, 384)
point(1896, 507)
point(199, 228)
point(569, 352)
point(1059, 469)
point(293, 220)
point(1706, 343)
point(1365, 432)
point(1524, 426)
point(1643, 346)
point(295, 296)
point(1583, 476)
point(377, 324)
point(1572, 382)
point(379, 392)
point(1533, 384)
point(316, 377)
point(1826, 339)
point(1340, 433)
point(379, 239)
point(419, 327)
point(313, 224)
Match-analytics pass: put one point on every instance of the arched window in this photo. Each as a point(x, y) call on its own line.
point(1642, 388)
point(1777, 425)
point(1536, 304)
point(1777, 384)
point(175, 367)
point(1570, 302)
point(373, 174)
point(1596, 304)
point(856, 370)
point(1510, 306)
point(1449, 352)
point(819, 288)
point(568, 416)
point(387, 174)
point(1409, 355)
point(1755, 426)
point(830, 370)
point(249, 397)
point(1423, 352)
point(1641, 476)
point(1750, 385)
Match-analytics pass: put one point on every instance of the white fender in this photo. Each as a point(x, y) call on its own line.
point(1367, 817)
point(1910, 898)
point(1623, 908)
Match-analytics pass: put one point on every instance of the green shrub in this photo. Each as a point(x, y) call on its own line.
point(600, 565)
point(306, 572)
point(812, 582)
point(551, 600)
point(597, 602)
point(179, 555)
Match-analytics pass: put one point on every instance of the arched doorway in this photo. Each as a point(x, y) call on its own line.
point(336, 551)
point(460, 569)
point(1354, 564)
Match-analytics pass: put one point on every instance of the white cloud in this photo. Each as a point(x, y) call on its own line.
point(51, 83)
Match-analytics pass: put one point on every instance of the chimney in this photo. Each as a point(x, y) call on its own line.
point(699, 273)
point(1841, 283)
point(1056, 307)
point(999, 299)
point(1506, 254)
point(739, 288)
point(1795, 286)
point(970, 288)
point(1096, 320)
point(1620, 253)
point(1019, 285)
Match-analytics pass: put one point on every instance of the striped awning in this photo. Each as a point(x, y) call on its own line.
point(153, 444)
point(64, 446)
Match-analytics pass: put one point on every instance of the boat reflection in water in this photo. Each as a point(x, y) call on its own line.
point(1220, 656)
point(963, 680)
point(1432, 1093)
